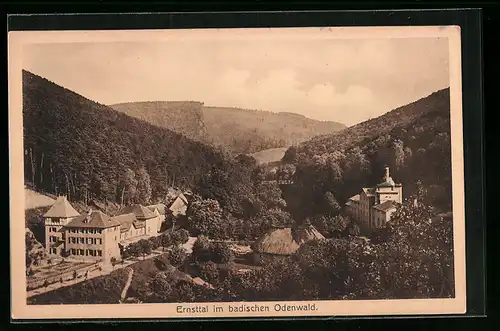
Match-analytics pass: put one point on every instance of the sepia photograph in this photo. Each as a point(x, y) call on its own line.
point(236, 172)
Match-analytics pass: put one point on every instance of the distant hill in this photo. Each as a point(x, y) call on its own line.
point(269, 155)
point(80, 148)
point(235, 130)
point(413, 140)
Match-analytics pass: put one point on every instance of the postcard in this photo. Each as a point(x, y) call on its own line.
point(228, 173)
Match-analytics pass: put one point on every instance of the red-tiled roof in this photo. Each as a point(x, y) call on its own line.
point(96, 219)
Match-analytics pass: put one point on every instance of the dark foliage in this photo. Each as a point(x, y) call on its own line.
point(413, 140)
point(77, 147)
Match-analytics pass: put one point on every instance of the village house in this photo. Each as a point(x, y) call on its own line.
point(59, 215)
point(147, 222)
point(373, 207)
point(280, 242)
point(95, 235)
point(159, 210)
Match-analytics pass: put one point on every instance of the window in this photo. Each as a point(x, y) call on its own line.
point(99, 252)
point(73, 251)
point(100, 241)
point(81, 252)
point(54, 251)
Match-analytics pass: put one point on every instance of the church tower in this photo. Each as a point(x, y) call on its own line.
point(388, 189)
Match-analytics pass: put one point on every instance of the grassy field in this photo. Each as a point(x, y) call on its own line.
point(99, 290)
point(269, 155)
point(34, 200)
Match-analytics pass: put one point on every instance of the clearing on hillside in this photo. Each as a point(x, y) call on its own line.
point(34, 200)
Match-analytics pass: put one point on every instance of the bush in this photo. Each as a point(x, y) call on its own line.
point(202, 249)
point(180, 237)
point(209, 272)
point(177, 256)
point(222, 253)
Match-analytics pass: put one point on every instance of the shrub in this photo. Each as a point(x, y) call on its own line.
point(222, 253)
point(177, 256)
point(201, 249)
point(209, 272)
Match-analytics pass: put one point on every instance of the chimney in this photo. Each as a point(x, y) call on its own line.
point(387, 176)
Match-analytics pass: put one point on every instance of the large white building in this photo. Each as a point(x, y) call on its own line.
point(95, 235)
point(373, 207)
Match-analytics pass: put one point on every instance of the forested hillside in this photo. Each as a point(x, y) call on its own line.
point(413, 140)
point(86, 150)
point(235, 130)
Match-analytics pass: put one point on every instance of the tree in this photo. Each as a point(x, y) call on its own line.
point(222, 253)
point(166, 240)
point(205, 217)
point(74, 274)
point(180, 237)
point(113, 262)
point(159, 287)
point(275, 217)
point(143, 186)
point(45, 283)
point(177, 256)
point(145, 247)
point(417, 257)
point(330, 227)
point(209, 272)
point(331, 204)
point(129, 187)
point(155, 242)
point(134, 249)
point(202, 249)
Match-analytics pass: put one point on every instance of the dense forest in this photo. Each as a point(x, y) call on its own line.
point(413, 140)
point(232, 129)
point(86, 150)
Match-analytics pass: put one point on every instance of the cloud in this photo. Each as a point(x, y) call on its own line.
point(341, 80)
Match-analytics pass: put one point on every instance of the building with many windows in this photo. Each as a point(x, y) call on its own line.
point(94, 235)
point(373, 207)
point(59, 215)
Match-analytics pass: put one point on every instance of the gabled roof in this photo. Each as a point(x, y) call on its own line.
point(126, 221)
point(160, 206)
point(95, 219)
point(139, 211)
point(61, 208)
point(385, 206)
point(179, 204)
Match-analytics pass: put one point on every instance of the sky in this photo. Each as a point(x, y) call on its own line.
point(343, 80)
